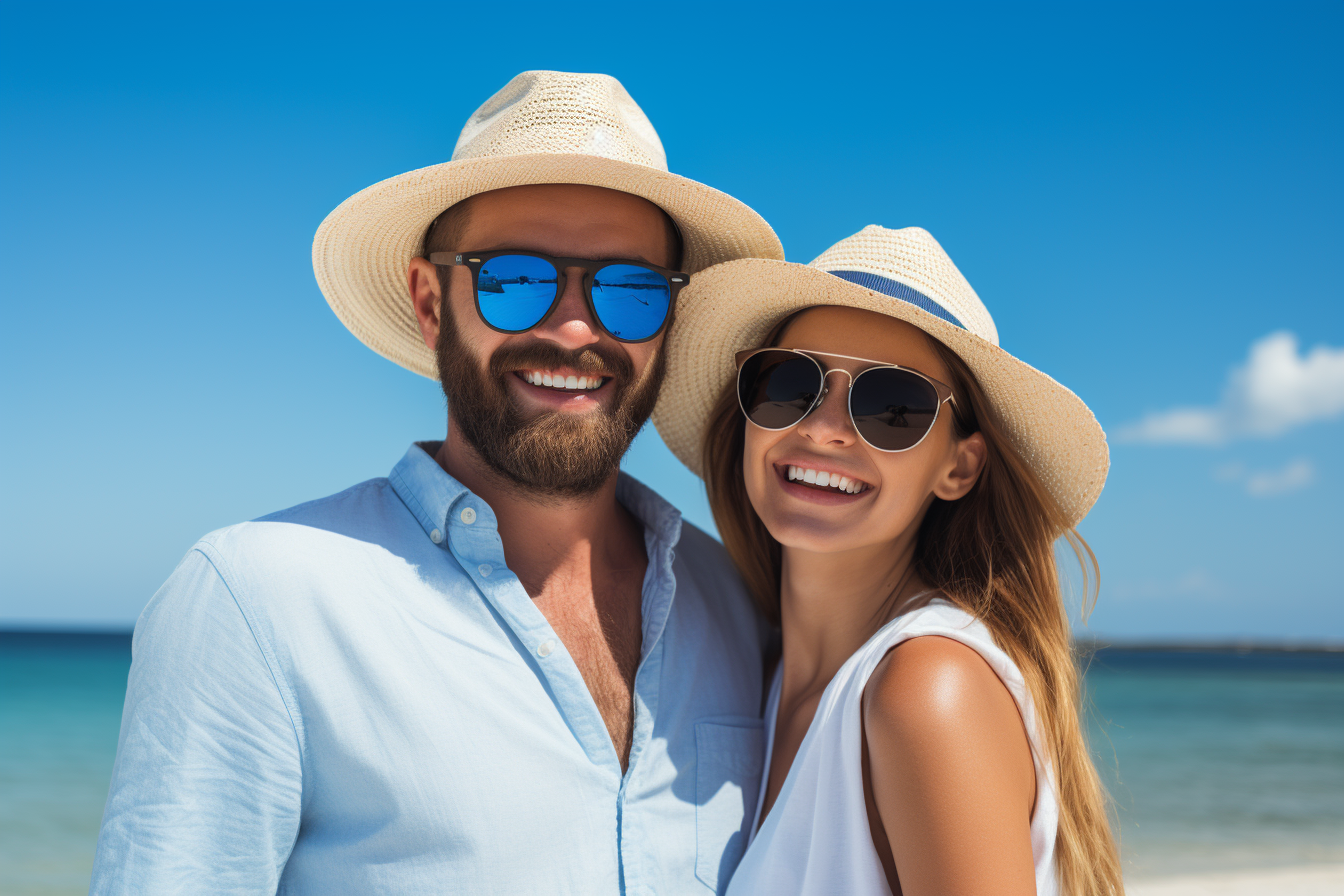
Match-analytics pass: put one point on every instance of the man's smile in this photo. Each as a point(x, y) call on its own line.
point(562, 388)
point(563, 380)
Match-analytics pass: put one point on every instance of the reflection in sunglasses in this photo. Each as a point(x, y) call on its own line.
point(892, 408)
point(516, 291)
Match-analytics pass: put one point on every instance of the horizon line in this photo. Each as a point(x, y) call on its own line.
point(1089, 643)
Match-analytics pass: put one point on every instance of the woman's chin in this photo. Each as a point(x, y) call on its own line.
point(818, 536)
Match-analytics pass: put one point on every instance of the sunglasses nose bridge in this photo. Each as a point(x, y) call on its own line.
point(567, 275)
point(577, 279)
point(826, 386)
point(570, 321)
point(847, 374)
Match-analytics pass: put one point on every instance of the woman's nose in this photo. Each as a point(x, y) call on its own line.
point(829, 422)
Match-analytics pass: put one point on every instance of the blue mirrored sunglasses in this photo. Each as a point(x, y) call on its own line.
point(515, 290)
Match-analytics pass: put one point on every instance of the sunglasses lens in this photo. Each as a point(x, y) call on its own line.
point(777, 388)
point(631, 301)
point(893, 409)
point(515, 291)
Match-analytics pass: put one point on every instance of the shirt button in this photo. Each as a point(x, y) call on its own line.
point(436, 536)
point(468, 515)
point(546, 648)
point(486, 569)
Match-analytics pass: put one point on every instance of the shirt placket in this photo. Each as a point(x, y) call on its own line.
point(474, 540)
point(638, 868)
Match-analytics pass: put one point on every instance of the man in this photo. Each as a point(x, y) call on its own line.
point(507, 667)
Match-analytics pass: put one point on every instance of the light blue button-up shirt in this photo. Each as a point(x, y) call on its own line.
point(356, 695)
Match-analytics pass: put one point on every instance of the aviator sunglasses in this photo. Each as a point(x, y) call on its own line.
point(516, 291)
point(892, 408)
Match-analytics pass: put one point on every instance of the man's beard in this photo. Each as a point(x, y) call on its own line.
point(550, 454)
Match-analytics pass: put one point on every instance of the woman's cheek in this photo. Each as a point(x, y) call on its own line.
point(754, 448)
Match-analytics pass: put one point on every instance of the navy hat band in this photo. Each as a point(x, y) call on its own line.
point(898, 290)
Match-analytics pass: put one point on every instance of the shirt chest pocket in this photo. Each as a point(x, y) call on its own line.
point(729, 754)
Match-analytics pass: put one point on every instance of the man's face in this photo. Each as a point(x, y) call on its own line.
point(550, 440)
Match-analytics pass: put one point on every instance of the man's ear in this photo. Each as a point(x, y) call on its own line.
point(422, 278)
point(968, 461)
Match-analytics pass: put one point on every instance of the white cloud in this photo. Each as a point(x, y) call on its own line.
point(1267, 483)
point(1275, 390)
point(1194, 583)
point(1298, 474)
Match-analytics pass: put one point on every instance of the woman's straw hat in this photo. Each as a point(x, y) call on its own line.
point(541, 128)
point(907, 275)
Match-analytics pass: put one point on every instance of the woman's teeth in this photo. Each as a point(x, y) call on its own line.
point(556, 381)
point(827, 480)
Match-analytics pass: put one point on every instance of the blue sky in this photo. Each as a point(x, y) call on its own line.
point(1140, 193)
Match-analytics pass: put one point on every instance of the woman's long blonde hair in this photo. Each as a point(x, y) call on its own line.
point(992, 554)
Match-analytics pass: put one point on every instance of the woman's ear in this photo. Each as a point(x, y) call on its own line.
point(968, 460)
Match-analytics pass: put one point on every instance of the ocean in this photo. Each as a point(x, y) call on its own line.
point(1216, 759)
point(1219, 760)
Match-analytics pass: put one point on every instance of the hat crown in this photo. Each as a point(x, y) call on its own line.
point(912, 258)
point(562, 112)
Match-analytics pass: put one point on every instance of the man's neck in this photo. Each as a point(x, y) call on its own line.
point(551, 542)
point(582, 561)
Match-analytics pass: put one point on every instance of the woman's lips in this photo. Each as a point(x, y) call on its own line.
point(815, 493)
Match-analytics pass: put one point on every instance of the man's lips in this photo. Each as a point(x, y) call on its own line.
point(563, 379)
point(565, 389)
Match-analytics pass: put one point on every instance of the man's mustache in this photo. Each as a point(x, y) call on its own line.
point(542, 355)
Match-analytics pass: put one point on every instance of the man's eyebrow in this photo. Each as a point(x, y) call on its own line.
point(595, 256)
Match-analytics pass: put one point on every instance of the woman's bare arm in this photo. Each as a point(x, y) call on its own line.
point(951, 772)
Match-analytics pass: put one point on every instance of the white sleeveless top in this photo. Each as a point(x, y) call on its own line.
point(816, 839)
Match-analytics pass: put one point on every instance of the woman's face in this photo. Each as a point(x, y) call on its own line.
point(896, 487)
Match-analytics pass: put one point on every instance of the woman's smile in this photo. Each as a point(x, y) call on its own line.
point(820, 482)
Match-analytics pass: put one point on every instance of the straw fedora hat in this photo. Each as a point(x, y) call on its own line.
point(541, 128)
point(901, 273)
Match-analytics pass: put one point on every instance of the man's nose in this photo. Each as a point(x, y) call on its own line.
point(571, 324)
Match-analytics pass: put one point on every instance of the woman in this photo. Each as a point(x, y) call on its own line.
point(892, 485)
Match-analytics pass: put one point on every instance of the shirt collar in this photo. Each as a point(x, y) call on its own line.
point(430, 494)
point(659, 517)
point(426, 489)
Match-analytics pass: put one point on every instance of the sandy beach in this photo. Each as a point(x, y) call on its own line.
point(1310, 880)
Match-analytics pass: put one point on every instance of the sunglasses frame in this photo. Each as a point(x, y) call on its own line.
point(475, 261)
point(942, 390)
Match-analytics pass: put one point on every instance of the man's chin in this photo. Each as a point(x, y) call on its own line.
point(557, 454)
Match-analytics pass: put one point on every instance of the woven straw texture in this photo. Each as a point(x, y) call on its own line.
point(541, 128)
point(734, 305)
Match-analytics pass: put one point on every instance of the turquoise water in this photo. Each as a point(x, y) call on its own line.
point(60, 708)
point(1221, 760)
point(1216, 760)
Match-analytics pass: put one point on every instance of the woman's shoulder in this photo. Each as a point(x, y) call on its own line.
point(950, 768)
point(936, 710)
point(931, 682)
point(940, 681)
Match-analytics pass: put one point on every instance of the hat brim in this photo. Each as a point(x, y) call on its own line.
point(734, 305)
point(363, 248)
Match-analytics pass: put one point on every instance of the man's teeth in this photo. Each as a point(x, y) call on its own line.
point(829, 480)
point(556, 381)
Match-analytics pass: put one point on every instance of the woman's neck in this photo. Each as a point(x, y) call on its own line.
point(830, 604)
